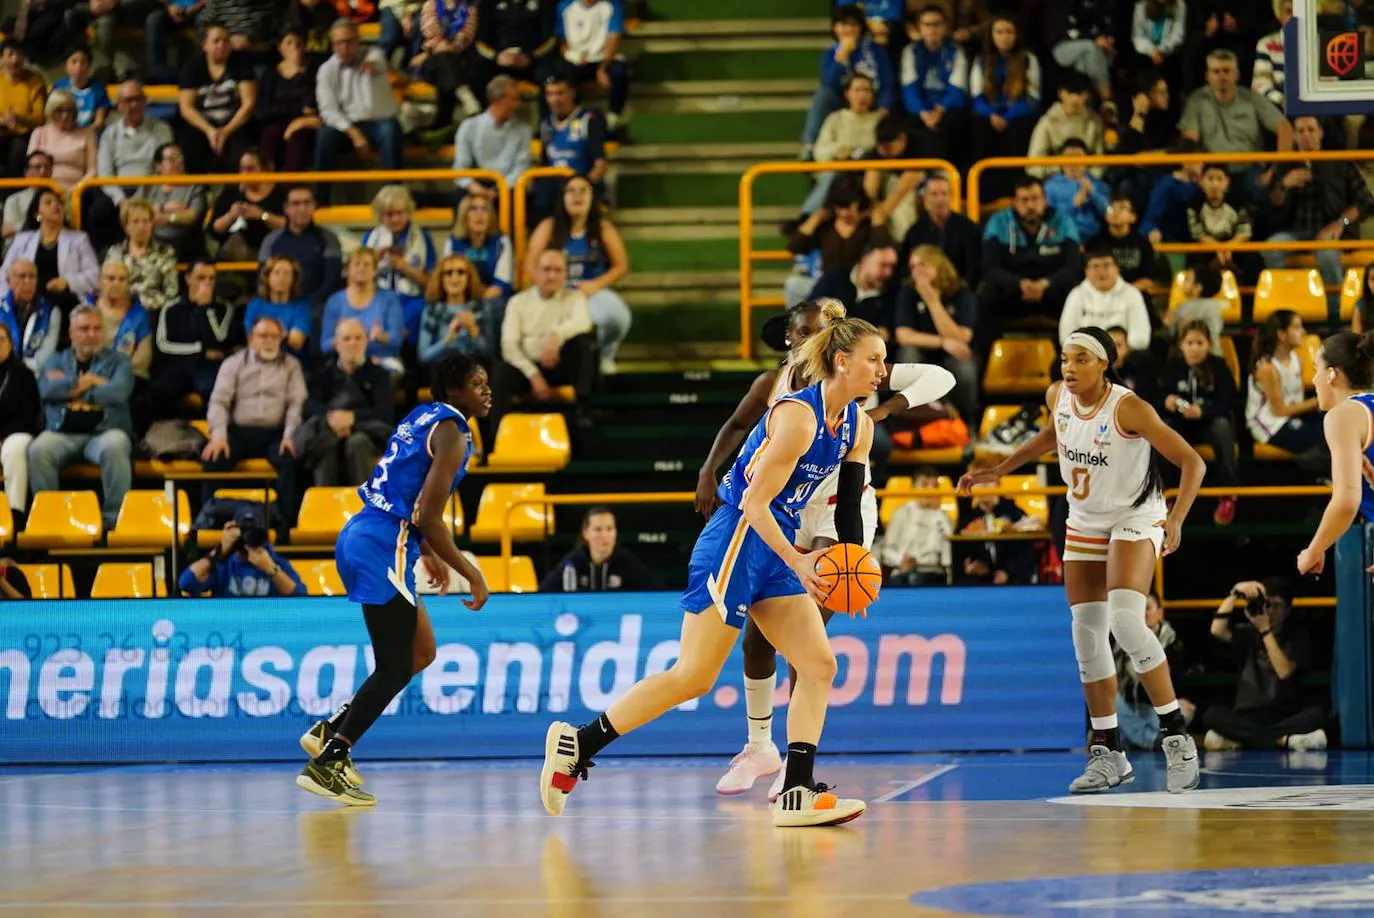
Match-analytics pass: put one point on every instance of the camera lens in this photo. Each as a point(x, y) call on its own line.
point(253, 537)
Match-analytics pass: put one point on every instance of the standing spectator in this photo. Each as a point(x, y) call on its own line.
point(1275, 410)
point(498, 140)
point(312, 247)
point(866, 289)
point(1104, 300)
point(1134, 255)
point(853, 52)
point(194, 336)
point(1166, 214)
point(1226, 118)
point(152, 265)
point(1139, 722)
point(840, 232)
point(72, 148)
point(515, 39)
point(400, 30)
point(20, 419)
point(405, 254)
point(570, 135)
point(246, 213)
point(1069, 118)
point(447, 33)
point(348, 414)
point(163, 30)
point(589, 34)
point(846, 133)
point(596, 259)
point(216, 102)
point(178, 210)
point(378, 310)
point(255, 408)
point(1213, 219)
point(91, 96)
point(952, 233)
point(1198, 395)
point(38, 166)
point(127, 328)
point(22, 93)
point(34, 323)
point(1268, 80)
point(451, 322)
point(936, 314)
point(1004, 84)
point(1087, 44)
point(1072, 191)
point(236, 568)
point(279, 297)
point(916, 548)
point(128, 147)
point(599, 562)
point(356, 104)
point(1158, 28)
point(85, 391)
point(67, 266)
point(287, 109)
point(476, 237)
point(934, 79)
point(546, 338)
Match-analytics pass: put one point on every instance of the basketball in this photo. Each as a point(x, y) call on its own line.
point(852, 577)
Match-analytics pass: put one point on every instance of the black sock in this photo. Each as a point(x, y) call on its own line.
point(801, 763)
point(1173, 723)
point(1110, 737)
point(336, 749)
point(594, 737)
point(337, 717)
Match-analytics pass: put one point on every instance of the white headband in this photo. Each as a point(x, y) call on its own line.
point(1088, 343)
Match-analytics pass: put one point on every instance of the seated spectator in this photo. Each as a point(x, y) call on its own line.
point(128, 147)
point(853, 52)
point(546, 337)
point(498, 140)
point(152, 265)
point(1030, 263)
point(348, 415)
point(589, 34)
point(596, 259)
point(1103, 300)
point(20, 418)
point(969, 20)
point(279, 297)
point(405, 254)
point(570, 136)
point(1139, 723)
point(287, 108)
point(379, 311)
point(1137, 369)
point(1268, 79)
point(1226, 118)
point(1213, 219)
point(1004, 84)
point(998, 561)
point(127, 328)
point(951, 232)
point(35, 324)
point(839, 233)
point(401, 31)
point(45, 29)
point(447, 32)
point(38, 166)
point(313, 20)
point(1069, 118)
point(67, 267)
point(477, 238)
point(194, 336)
point(1226, 26)
point(846, 133)
point(163, 29)
point(1083, 198)
point(915, 548)
point(865, 290)
point(217, 98)
point(893, 191)
point(255, 408)
point(1272, 649)
point(1134, 255)
point(1275, 410)
point(453, 319)
point(245, 214)
point(85, 391)
point(1086, 43)
point(934, 79)
point(1166, 215)
point(1158, 28)
point(1153, 127)
point(936, 314)
point(178, 210)
point(72, 148)
point(314, 249)
point(599, 562)
point(356, 105)
point(22, 93)
point(1198, 395)
point(244, 563)
point(91, 95)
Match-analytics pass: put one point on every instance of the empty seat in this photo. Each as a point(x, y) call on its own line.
point(531, 443)
point(1036, 505)
point(321, 577)
point(1230, 292)
point(1019, 366)
point(323, 513)
point(123, 580)
point(1352, 291)
point(49, 581)
point(145, 520)
point(1307, 356)
point(1228, 354)
point(529, 522)
point(888, 505)
point(6, 520)
point(1300, 291)
point(63, 519)
point(521, 579)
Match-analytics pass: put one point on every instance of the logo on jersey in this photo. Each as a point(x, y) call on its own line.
point(1083, 457)
point(1103, 438)
point(1062, 421)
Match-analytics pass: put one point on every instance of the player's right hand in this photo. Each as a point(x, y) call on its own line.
point(478, 586)
point(804, 566)
point(974, 477)
point(706, 501)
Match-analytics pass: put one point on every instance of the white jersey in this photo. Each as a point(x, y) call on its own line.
point(1103, 467)
point(1259, 416)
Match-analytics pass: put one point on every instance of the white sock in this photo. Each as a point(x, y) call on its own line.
point(1103, 723)
point(1169, 708)
point(758, 704)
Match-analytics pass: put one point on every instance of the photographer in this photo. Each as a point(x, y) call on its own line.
point(243, 564)
point(1273, 649)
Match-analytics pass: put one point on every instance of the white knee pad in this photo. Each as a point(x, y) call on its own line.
point(1131, 632)
point(1092, 641)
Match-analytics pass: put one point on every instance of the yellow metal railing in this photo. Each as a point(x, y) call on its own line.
point(19, 183)
point(747, 254)
point(520, 205)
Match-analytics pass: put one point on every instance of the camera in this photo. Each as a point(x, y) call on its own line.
point(252, 536)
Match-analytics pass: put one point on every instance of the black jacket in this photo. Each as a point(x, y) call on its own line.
point(1216, 400)
point(1133, 252)
point(524, 24)
point(621, 571)
point(21, 410)
point(186, 331)
point(960, 240)
point(366, 392)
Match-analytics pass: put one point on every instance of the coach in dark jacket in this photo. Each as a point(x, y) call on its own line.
point(348, 413)
point(599, 563)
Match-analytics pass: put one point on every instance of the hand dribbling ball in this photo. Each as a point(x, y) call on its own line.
point(852, 577)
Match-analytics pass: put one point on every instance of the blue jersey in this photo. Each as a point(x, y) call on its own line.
point(586, 258)
point(1367, 461)
point(394, 487)
point(577, 141)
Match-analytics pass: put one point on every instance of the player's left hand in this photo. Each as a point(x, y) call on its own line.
point(1311, 562)
point(1173, 534)
point(478, 585)
point(437, 572)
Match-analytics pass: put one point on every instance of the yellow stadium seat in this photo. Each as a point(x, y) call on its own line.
point(1228, 354)
point(1230, 292)
point(49, 581)
point(1307, 356)
point(1019, 366)
point(202, 425)
point(1263, 452)
point(888, 505)
point(994, 415)
point(6, 521)
point(121, 580)
point(949, 504)
point(521, 580)
point(321, 578)
point(252, 495)
point(1036, 505)
point(63, 519)
point(529, 522)
point(323, 513)
point(531, 443)
point(1300, 291)
point(145, 520)
point(1352, 291)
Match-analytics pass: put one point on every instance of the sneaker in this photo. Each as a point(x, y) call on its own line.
point(775, 789)
point(561, 768)
point(1218, 743)
point(1107, 768)
point(748, 766)
point(1007, 437)
point(1225, 514)
point(313, 742)
point(1180, 752)
point(328, 781)
point(806, 806)
point(1306, 741)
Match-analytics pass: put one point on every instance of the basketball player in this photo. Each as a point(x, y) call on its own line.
point(744, 566)
point(1118, 524)
point(402, 518)
point(1344, 379)
point(760, 757)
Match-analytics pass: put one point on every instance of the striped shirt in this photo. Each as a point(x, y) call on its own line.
point(1268, 78)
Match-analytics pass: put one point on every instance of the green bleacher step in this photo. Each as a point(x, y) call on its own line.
point(708, 190)
point(736, 9)
point(734, 127)
point(716, 61)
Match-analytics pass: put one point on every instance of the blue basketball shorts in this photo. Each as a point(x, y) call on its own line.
point(732, 568)
point(375, 555)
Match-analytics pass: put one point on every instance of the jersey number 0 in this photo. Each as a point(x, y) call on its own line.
point(1080, 483)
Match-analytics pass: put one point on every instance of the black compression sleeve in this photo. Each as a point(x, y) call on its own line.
point(849, 523)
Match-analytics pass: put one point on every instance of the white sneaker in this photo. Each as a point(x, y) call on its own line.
point(608, 367)
point(1106, 768)
point(1218, 743)
point(748, 766)
point(561, 768)
point(775, 789)
point(805, 806)
point(1180, 752)
point(1305, 741)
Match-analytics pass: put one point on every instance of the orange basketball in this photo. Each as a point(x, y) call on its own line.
point(852, 577)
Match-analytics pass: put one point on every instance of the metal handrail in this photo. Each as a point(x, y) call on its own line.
point(520, 206)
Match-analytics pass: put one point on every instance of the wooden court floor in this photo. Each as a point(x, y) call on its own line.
point(979, 835)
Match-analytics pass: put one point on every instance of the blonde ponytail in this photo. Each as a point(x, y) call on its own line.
point(816, 356)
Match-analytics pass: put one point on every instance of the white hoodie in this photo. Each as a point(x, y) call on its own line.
point(1123, 305)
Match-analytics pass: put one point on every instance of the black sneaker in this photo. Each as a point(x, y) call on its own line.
point(316, 738)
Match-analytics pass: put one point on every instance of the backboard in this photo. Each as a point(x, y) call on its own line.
point(1329, 58)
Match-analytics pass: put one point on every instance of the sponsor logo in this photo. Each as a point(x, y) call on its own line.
point(1083, 457)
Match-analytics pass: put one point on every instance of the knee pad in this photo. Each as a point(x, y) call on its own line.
point(1092, 641)
point(1131, 632)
